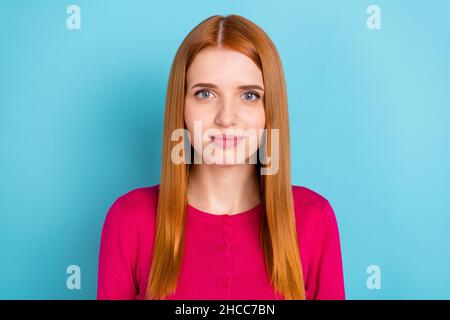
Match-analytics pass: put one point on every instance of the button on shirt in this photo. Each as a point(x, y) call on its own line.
point(223, 258)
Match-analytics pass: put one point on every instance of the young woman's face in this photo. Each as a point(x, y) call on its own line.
point(225, 94)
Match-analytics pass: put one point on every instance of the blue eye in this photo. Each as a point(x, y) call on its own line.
point(203, 94)
point(250, 96)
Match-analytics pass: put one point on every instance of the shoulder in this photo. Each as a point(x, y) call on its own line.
point(304, 196)
point(139, 199)
point(134, 208)
point(312, 210)
point(319, 244)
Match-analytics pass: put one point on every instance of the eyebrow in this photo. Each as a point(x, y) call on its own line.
point(212, 85)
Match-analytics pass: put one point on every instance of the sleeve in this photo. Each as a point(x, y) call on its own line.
point(115, 271)
point(327, 273)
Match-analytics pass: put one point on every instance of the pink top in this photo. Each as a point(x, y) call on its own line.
point(223, 258)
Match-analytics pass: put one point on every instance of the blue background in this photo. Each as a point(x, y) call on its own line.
point(81, 114)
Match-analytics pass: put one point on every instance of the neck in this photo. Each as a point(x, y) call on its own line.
point(223, 189)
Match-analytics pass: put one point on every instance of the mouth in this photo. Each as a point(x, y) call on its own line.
point(226, 141)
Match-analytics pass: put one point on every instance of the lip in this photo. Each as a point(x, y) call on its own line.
point(226, 141)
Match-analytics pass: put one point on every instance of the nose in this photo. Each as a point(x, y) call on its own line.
point(226, 115)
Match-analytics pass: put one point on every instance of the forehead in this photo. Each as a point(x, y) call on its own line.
point(223, 67)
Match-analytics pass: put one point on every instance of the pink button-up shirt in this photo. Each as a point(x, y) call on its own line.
point(223, 258)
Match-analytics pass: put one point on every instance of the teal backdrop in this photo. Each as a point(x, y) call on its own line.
point(81, 115)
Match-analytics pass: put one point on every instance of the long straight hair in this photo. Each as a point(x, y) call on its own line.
point(278, 235)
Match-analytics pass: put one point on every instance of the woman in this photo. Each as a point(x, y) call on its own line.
point(219, 225)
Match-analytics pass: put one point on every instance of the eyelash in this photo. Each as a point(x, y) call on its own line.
point(252, 92)
point(200, 91)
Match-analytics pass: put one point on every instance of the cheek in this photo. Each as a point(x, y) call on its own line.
point(260, 119)
point(195, 112)
point(190, 116)
point(188, 119)
point(254, 118)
